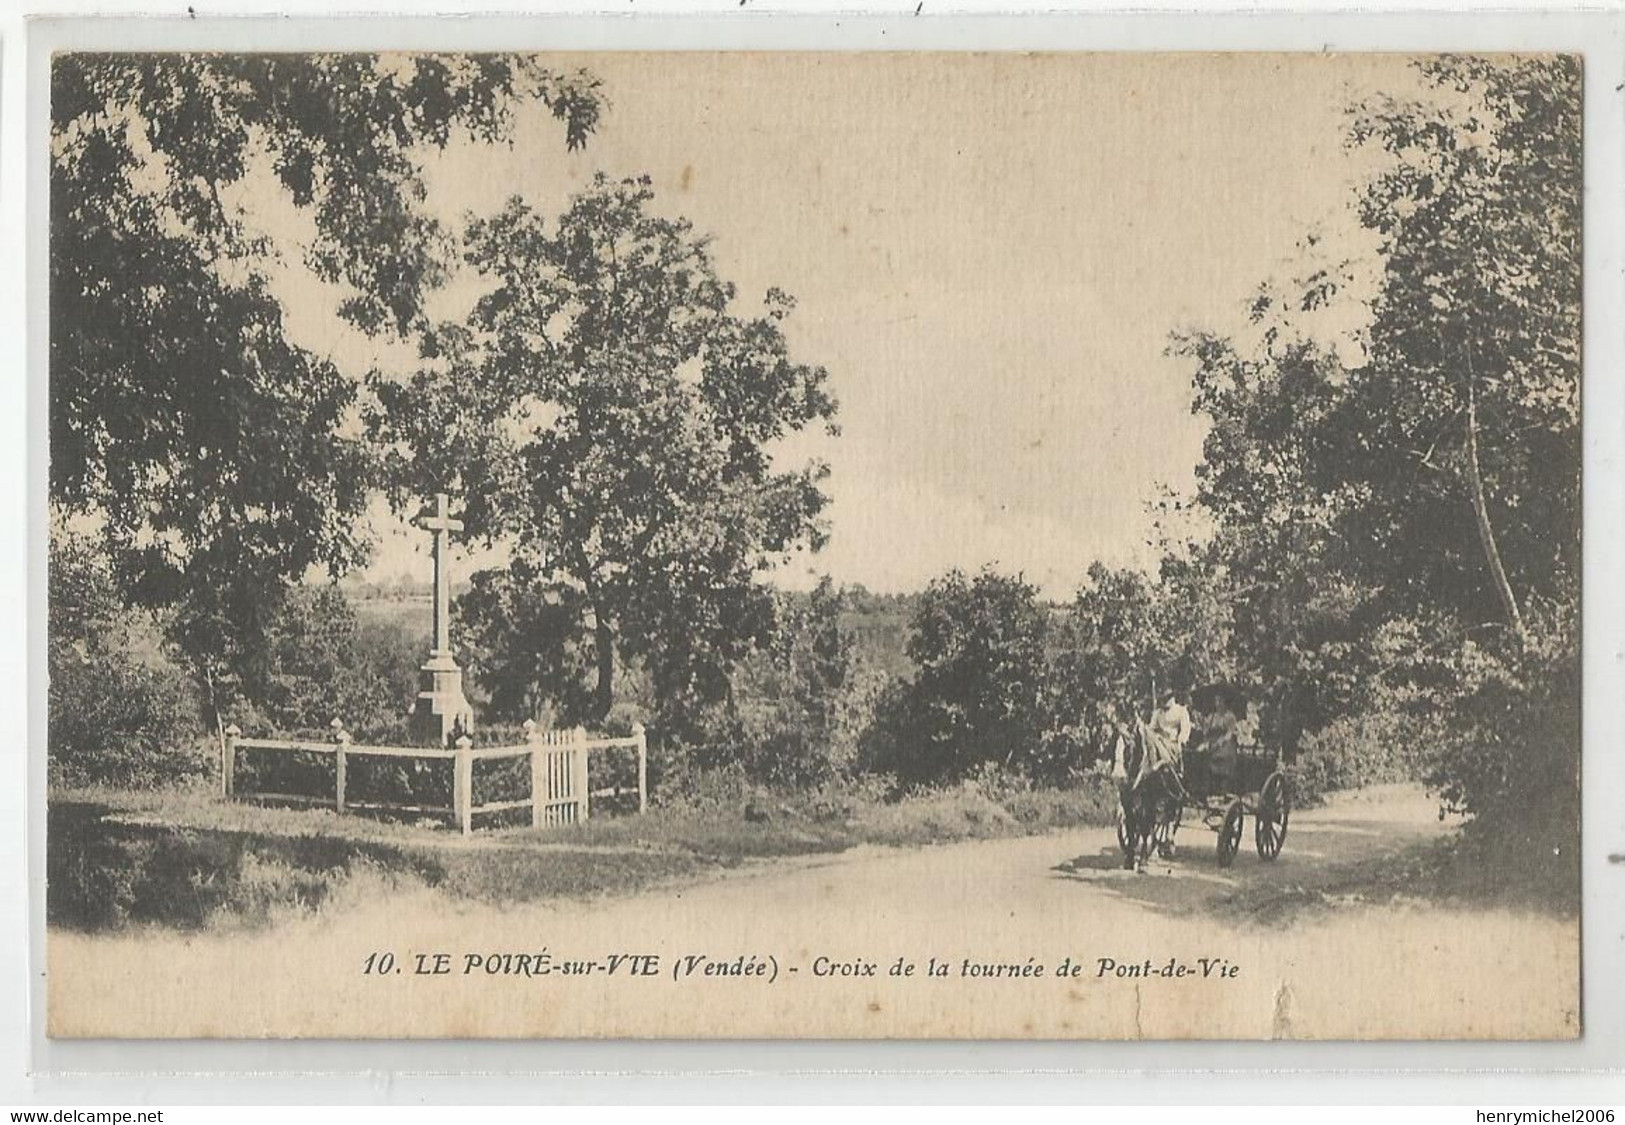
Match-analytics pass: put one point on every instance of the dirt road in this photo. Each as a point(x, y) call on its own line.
point(1043, 936)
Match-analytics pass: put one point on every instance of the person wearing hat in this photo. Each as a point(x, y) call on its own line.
point(1171, 722)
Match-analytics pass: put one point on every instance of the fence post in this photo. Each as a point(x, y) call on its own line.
point(228, 761)
point(463, 789)
point(643, 766)
point(578, 761)
point(342, 737)
point(538, 785)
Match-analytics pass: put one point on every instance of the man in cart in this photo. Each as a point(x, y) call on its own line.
point(1170, 730)
point(1164, 739)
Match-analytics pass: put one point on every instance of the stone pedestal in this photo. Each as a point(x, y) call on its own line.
point(441, 708)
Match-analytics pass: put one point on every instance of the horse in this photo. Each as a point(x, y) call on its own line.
point(1152, 800)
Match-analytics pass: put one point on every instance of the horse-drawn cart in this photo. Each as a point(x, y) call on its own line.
point(1223, 785)
point(1262, 795)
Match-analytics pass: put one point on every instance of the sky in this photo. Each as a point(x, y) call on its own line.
point(989, 253)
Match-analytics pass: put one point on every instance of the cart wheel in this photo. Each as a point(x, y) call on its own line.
point(1230, 833)
point(1123, 840)
point(1274, 809)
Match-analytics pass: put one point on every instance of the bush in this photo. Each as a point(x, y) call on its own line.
point(1510, 746)
point(114, 722)
point(1371, 748)
point(1093, 801)
point(120, 710)
point(320, 663)
point(797, 705)
point(844, 800)
point(981, 691)
point(723, 790)
point(1490, 721)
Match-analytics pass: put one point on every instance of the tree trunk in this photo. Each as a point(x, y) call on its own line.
point(604, 644)
point(1486, 533)
point(214, 706)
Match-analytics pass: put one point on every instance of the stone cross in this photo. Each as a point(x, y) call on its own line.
point(440, 524)
point(442, 711)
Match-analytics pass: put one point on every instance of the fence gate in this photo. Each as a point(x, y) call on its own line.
point(558, 778)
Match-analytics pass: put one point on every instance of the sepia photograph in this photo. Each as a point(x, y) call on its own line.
point(814, 545)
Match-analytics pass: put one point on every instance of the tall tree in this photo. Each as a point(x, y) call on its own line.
point(1373, 513)
point(606, 411)
point(181, 413)
point(1464, 425)
point(216, 456)
point(1108, 650)
point(1269, 480)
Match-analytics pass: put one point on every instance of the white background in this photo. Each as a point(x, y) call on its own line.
point(36, 1071)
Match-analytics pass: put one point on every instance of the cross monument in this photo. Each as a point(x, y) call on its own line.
point(442, 710)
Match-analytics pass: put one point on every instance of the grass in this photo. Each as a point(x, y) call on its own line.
point(191, 861)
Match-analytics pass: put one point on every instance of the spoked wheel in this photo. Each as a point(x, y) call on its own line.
point(1230, 833)
point(1274, 809)
point(1124, 841)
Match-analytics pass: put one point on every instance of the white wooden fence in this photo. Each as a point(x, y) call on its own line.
point(561, 788)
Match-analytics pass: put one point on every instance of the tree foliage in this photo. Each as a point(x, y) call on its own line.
point(608, 412)
point(1127, 634)
point(1479, 217)
point(321, 662)
point(120, 710)
point(981, 692)
point(798, 704)
point(1394, 553)
point(217, 454)
point(519, 636)
point(1400, 530)
point(1269, 478)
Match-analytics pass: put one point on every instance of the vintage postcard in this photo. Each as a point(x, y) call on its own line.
point(814, 545)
